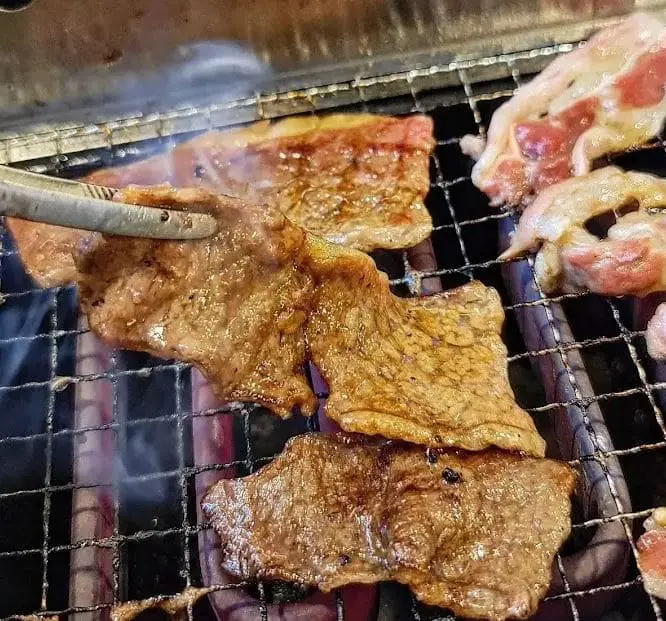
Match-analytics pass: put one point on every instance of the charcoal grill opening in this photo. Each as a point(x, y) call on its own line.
point(577, 363)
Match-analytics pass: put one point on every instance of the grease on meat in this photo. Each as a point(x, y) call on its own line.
point(601, 98)
point(45, 250)
point(251, 304)
point(627, 258)
point(475, 533)
point(418, 369)
point(652, 553)
point(233, 304)
point(355, 179)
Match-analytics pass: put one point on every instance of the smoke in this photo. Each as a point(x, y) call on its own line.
point(26, 345)
point(137, 454)
point(195, 74)
point(153, 440)
point(131, 457)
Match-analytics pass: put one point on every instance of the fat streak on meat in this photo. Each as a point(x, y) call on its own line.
point(603, 97)
point(629, 258)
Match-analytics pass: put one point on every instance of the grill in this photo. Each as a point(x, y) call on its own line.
point(119, 520)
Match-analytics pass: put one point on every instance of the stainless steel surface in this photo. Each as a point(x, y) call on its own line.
point(520, 36)
point(78, 205)
point(59, 58)
point(62, 141)
point(602, 489)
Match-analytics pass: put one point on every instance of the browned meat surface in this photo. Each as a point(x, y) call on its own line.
point(604, 97)
point(233, 304)
point(355, 179)
point(473, 532)
point(417, 369)
point(45, 250)
point(249, 305)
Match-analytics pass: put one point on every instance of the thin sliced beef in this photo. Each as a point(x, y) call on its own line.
point(473, 532)
point(603, 232)
point(252, 304)
point(652, 553)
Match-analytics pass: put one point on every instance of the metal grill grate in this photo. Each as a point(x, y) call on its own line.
point(38, 431)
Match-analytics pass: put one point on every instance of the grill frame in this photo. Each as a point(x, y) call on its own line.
point(69, 151)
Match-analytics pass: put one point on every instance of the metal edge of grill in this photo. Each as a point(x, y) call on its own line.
point(69, 138)
point(593, 573)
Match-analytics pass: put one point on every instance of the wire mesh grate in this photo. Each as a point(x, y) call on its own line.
point(465, 240)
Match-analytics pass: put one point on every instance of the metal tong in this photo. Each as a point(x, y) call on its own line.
point(79, 205)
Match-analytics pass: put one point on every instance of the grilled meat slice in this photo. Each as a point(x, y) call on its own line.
point(248, 305)
point(45, 250)
point(655, 333)
point(604, 232)
point(355, 179)
point(601, 98)
point(234, 304)
point(627, 258)
point(417, 369)
point(652, 553)
point(473, 532)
